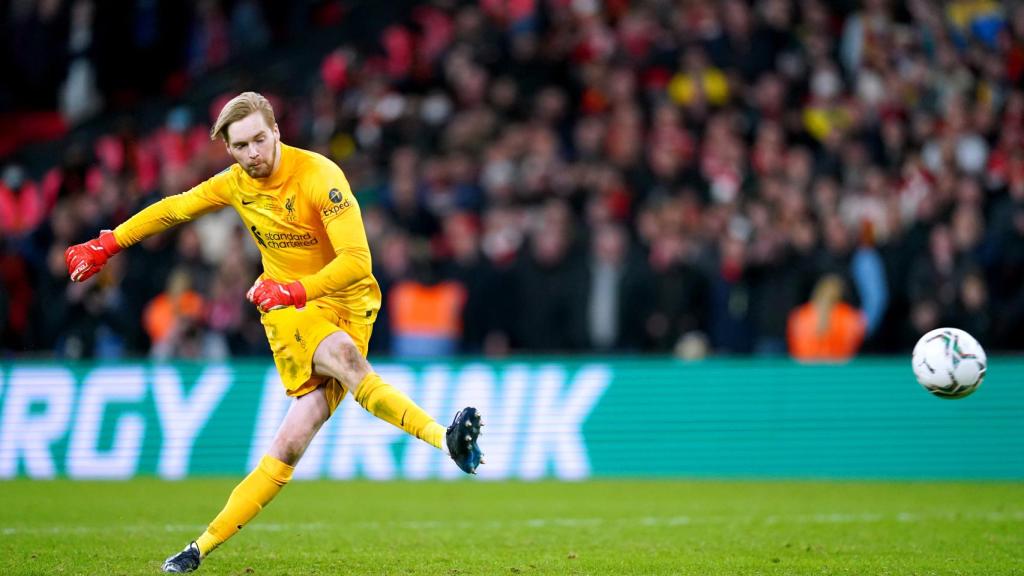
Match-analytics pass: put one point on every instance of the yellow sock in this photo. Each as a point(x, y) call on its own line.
point(246, 501)
point(390, 405)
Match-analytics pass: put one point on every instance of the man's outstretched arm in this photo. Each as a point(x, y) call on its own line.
point(86, 259)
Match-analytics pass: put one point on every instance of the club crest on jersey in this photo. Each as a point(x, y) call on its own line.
point(289, 205)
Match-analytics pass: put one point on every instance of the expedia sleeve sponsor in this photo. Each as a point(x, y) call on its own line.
point(289, 240)
point(340, 205)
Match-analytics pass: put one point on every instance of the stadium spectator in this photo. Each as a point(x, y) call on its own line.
point(972, 312)
point(4, 310)
point(935, 274)
point(174, 319)
point(826, 328)
point(426, 317)
point(17, 298)
point(392, 265)
point(1009, 275)
point(617, 297)
point(549, 281)
point(93, 327)
point(22, 207)
point(730, 324)
point(679, 284)
point(482, 312)
point(868, 273)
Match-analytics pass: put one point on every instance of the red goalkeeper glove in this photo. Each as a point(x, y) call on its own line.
point(86, 259)
point(269, 295)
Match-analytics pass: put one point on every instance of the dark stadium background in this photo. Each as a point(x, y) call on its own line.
point(547, 164)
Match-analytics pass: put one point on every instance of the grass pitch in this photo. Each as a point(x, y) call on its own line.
point(470, 527)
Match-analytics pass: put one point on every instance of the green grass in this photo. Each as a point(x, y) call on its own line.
point(469, 527)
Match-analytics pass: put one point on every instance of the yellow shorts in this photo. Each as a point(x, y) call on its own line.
point(294, 335)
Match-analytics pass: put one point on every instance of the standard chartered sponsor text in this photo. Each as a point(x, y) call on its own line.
point(289, 240)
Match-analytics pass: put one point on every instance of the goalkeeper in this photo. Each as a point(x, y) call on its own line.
point(317, 298)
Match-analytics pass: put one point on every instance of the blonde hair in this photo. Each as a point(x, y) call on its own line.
point(827, 293)
point(239, 107)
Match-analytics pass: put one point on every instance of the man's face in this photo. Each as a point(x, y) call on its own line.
point(253, 145)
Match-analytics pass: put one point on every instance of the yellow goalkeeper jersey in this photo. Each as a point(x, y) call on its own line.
point(304, 219)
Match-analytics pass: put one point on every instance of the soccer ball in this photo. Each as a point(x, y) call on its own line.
point(949, 363)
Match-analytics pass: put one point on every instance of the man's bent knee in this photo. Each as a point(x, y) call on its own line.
point(338, 357)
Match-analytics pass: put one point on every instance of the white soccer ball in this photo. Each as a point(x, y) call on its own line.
point(949, 363)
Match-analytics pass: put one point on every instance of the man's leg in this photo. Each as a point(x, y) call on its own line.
point(305, 417)
point(338, 357)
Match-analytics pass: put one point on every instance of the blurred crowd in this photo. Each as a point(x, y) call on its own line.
point(737, 177)
point(64, 61)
